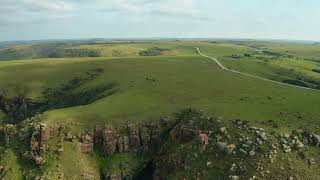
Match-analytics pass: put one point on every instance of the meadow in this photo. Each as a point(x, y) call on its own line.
point(148, 87)
point(183, 80)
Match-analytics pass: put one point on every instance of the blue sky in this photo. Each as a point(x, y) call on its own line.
point(67, 19)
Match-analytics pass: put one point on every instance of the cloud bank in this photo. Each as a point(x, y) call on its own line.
point(26, 11)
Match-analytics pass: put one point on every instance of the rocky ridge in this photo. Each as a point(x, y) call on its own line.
point(187, 142)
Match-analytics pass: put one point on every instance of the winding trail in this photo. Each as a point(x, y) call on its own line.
point(249, 75)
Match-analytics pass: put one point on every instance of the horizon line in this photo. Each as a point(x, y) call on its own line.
point(160, 38)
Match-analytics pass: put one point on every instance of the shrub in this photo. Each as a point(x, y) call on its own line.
point(155, 51)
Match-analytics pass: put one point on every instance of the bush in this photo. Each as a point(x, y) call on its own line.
point(316, 70)
point(155, 51)
point(296, 82)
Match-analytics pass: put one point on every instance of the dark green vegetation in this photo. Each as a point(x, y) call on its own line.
point(58, 50)
point(316, 70)
point(137, 82)
point(153, 52)
point(67, 95)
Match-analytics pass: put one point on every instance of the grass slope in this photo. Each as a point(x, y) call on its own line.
point(156, 86)
point(180, 82)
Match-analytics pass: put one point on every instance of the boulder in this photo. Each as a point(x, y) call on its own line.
point(311, 161)
point(69, 136)
point(204, 139)
point(298, 145)
point(120, 145)
point(134, 139)
point(86, 147)
point(39, 138)
point(60, 151)
point(86, 142)
point(222, 145)
point(222, 130)
point(109, 141)
point(234, 177)
point(34, 144)
point(243, 151)
point(252, 153)
point(155, 139)
point(125, 143)
point(230, 148)
point(145, 138)
point(44, 132)
point(40, 161)
point(316, 139)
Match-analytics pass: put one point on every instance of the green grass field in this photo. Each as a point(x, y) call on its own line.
point(180, 81)
point(180, 78)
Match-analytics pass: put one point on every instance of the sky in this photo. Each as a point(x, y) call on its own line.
point(81, 19)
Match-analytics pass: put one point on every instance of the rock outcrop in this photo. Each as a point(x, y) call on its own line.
point(86, 142)
point(146, 138)
point(110, 139)
point(17, 108)
point(7, 133)
point(38, 143)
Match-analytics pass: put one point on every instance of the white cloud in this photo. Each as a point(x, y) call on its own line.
point(48, 5)
point(164, 7)
point(26, 11)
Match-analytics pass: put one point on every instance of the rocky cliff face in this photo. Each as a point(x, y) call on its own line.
point(146, 138)
point(7, 134)
point(39, 144)
point(188, 146)
point(17, 108)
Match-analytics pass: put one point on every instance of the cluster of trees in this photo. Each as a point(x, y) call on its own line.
point(58, 98)
point(304, 82)
point(12, 53)
point(60, 53)
point(54, 50)
point(155, 51)
point(235, 56)
point(68, 95)
point(316, 70)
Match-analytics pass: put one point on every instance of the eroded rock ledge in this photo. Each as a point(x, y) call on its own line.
point(173, 145)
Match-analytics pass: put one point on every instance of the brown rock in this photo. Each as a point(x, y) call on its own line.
point(34, 144)
point(44, 133)
point(86, 142)
point(230, 148)
point(145, 138)
point(120, 145)
point(109, 141)
point(86, 147)
point(60, 151)
point(204, 139)
point(40, 161)
point(39, 139)
point(125, 143)
point(134, 139)
point(155, 139)
point(69, 136)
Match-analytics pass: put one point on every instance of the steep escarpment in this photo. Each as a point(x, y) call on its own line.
point(21, 107)
point(186, 145)
point(18, 108)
